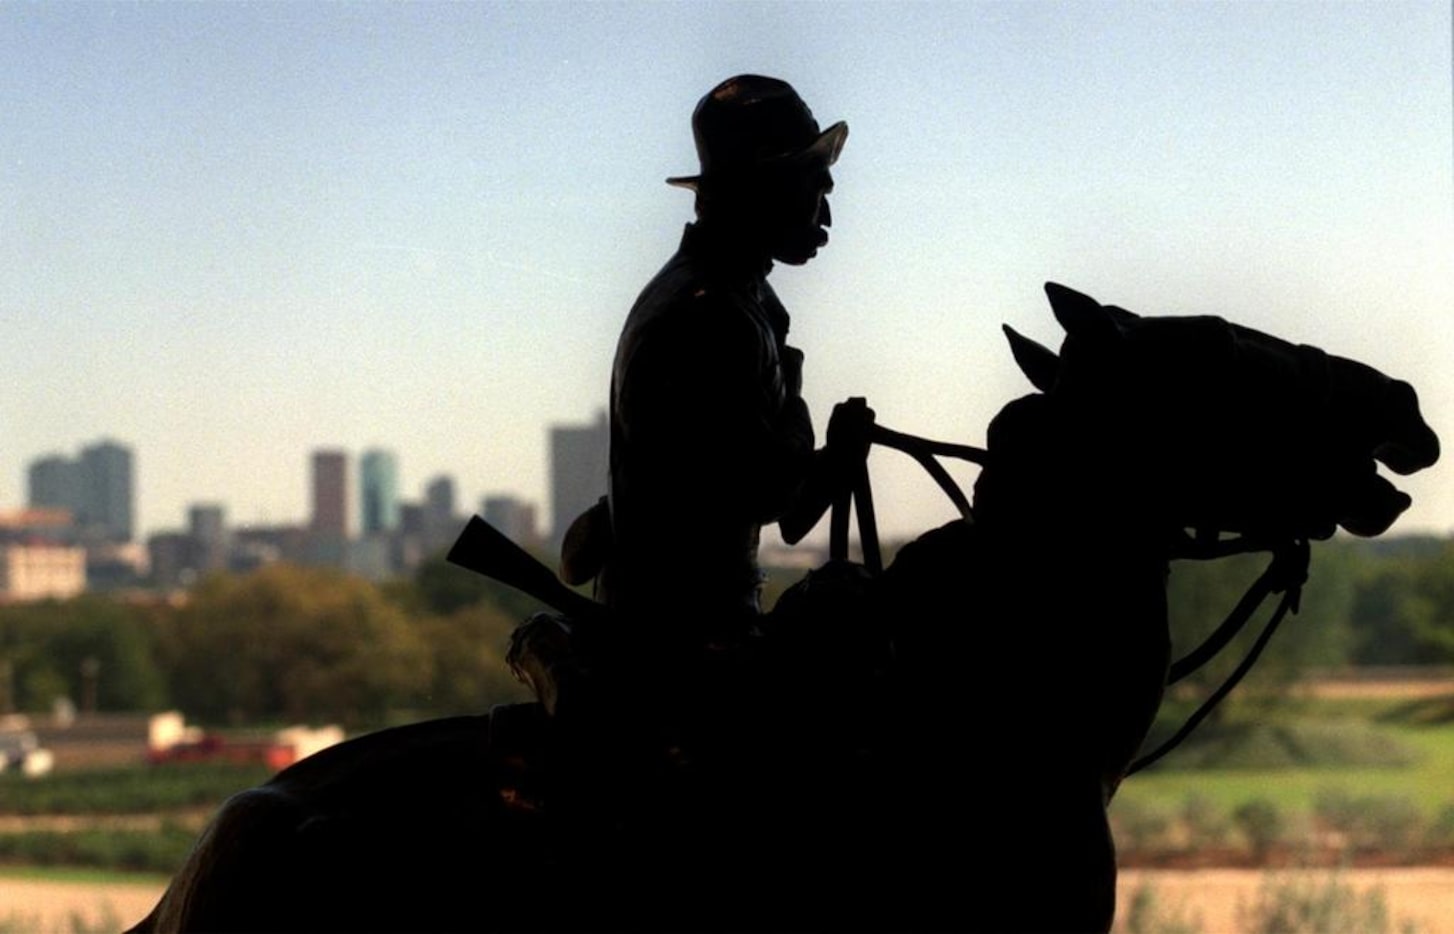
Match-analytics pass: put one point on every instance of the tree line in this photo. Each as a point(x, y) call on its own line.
point(282, 644)
point(289, 644)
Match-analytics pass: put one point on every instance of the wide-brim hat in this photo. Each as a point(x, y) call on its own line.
point(750, 123)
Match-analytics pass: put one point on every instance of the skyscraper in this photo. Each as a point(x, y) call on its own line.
point(578, 471)
point(440, 524)
point(106, 491)
point(439, 500)
point(207, 528)
point(53, 483)
point(379, 486)
point(330, 495)
point(98, 489)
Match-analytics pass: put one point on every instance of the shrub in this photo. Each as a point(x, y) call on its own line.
point(1388, 823)
point(1305, 904)
point(1207, 823)
point(1261, 822)
point(1288, 743)
point(128, 790)
point(1440, 833)
point(127, 850)
point(1141, 826)
point(1147, 913)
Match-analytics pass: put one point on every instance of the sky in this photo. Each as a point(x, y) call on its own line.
point(233, 233)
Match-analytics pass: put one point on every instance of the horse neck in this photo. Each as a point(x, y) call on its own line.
point(1087, 563)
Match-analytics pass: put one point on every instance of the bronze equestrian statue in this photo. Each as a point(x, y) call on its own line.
point(928, 748)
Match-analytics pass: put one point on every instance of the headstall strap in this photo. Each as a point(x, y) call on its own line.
point(1286, 574)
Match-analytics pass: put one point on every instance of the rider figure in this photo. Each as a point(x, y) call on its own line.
point(710, 437)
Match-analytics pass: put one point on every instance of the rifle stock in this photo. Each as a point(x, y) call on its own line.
point(485, 550)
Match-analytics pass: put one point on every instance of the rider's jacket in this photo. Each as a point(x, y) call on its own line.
point(710, 438)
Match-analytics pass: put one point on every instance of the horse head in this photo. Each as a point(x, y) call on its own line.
point(1194, 422)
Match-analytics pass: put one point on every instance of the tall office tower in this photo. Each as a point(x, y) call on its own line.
point(578, 471)
point(106, 492)
point(53, 482)
point(379, 485)
point(207, 527)
point(440, 525)
point(439, 501)
point(330, 495)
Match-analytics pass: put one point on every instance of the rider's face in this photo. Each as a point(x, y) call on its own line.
point(798, 214)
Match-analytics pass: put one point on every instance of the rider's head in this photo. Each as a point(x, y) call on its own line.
point(765, 166)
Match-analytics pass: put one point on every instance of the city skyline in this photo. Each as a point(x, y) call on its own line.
point(436, 493)
point(236, 232)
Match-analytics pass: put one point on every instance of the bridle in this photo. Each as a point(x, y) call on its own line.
point(1285, 574)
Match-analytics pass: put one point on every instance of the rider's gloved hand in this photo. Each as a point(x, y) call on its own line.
point(850, 430)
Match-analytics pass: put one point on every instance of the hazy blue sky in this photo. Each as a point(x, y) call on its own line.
point(231, 233)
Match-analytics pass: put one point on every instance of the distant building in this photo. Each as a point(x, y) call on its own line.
point(514, 517)
point(173, 559)
point(578, 471)
point(327, 544)
point(48, 525)
point(53, 482)
point(115, 565)
point(41, 572)
point(330, 495)
point(98, 489)
point(258, 545)
point(439, 499)
point(409, 541)
point(441, 522)
point(379, 488)
point(107, 495)
point(207, 525)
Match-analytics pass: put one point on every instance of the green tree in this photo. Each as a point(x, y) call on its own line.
point(1403, 611)
point(441, 588)
point(300, 644)
point(50, 647)
point(468, 650)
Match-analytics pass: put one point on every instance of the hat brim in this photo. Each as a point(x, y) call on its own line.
point(824, 149)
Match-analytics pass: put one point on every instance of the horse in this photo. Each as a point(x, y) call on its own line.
point(930, 747)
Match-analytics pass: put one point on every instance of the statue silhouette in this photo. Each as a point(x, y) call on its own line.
point(710, 437)
point(929, 746)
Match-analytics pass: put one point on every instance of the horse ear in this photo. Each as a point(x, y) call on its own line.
point(1081, 315)
point(1036, 361)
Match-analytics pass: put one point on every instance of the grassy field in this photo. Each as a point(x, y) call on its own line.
point(141, 820)
point(1427, 781)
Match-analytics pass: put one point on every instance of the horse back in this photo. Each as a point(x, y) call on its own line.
point(394, 830)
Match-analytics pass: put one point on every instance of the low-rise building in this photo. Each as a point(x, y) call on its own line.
point(40, 571)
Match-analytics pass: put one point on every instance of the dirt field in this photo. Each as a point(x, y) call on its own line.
point(48, 906)
point(1423, 896)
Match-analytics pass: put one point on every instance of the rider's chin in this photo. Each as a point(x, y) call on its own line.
point(803, 249)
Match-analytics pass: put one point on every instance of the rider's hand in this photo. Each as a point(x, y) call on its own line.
point(850, 431)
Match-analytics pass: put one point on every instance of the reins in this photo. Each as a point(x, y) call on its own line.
point(1286, 573)
point(858, 492)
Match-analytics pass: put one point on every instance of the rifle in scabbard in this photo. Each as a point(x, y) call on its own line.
point(485, 550)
